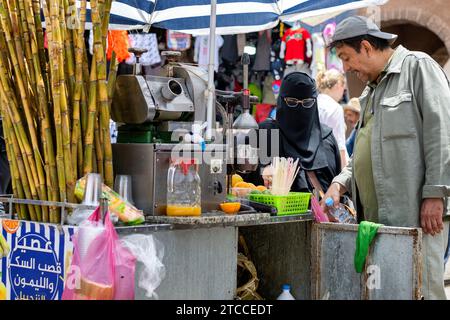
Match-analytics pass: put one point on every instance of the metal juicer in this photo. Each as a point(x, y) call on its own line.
point(154, 114)
point(157, 116)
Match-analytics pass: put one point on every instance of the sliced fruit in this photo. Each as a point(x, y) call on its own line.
point(230, 207)
point(261, 188)
point(235, 179)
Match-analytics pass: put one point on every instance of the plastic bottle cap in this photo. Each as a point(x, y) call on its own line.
point(329, 202)
point(286, 287)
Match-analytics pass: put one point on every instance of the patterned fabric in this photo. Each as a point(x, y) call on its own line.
point(178, 41)
point(147, 41)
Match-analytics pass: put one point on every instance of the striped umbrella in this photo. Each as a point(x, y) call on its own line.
point(232, 16)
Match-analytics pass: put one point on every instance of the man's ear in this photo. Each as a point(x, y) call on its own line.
point(366, 47)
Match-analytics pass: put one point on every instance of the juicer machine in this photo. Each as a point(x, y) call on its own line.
point(154, 114)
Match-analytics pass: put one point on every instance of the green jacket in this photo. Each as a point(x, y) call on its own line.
point(410, 139)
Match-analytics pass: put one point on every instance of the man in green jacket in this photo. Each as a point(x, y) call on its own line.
point(399, 174)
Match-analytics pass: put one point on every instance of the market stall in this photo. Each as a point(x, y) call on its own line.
point(56, 110)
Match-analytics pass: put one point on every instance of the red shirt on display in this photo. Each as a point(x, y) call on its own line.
point(295, 44)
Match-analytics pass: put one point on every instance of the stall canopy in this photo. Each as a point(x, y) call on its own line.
point(233, 16)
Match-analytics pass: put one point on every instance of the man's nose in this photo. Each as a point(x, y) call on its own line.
point(347, 68)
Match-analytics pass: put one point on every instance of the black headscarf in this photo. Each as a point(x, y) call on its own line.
point(301, 133)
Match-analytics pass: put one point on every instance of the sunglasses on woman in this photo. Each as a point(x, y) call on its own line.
point(305, 103)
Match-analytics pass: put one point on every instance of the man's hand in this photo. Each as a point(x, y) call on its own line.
point(334, 192)
point(431, 215)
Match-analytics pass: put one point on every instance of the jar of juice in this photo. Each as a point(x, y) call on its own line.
point(183, 189)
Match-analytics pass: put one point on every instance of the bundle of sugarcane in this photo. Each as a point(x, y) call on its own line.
point(55, 107)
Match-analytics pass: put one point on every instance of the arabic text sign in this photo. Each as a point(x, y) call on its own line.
point(35, 267)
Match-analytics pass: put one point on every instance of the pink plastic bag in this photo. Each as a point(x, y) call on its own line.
point(105, 271)
point(319, 215)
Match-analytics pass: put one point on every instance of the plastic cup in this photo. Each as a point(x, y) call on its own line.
point(93, 190)
point(122, 185)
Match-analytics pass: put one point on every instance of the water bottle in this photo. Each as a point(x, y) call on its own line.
point(340, 213)
point(286, 293)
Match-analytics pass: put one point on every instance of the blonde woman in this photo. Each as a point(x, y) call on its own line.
point(331, 85)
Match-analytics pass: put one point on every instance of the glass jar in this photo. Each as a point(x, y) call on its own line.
point(183, 189)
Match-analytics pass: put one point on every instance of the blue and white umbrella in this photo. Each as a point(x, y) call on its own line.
point(232, 16)
point(212, 17)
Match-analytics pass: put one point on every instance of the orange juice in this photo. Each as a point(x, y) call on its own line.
point(175, 210)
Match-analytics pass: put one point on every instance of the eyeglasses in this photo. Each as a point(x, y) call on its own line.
point(293, 102)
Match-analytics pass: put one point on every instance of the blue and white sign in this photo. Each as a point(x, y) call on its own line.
point(36, 265)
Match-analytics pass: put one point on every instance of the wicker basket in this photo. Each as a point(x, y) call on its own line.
point(248, 290)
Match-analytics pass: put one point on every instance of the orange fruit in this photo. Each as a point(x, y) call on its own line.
point(252, 186)
point(236, 179)
point(230, 207)
point(241, 184)
point(261, 188)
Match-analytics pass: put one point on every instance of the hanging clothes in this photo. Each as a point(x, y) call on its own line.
point(229, 50)
point(295, 40)
point(147, 41)
point(318, 63)
point(119, 43)
point(201, 53)
point(262, 59)
point(178, 41)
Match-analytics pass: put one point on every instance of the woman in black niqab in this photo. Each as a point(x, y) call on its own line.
point(301, 135)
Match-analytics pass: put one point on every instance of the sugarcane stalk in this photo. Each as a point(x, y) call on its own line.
point(21, 164)
point(100, 58)
point(56, 92)
point(63, 105)
point(17, 185)
point(44, 116)
point(15, 177)
point(112, 78)
point(36, 9)
point(92, 111)
point(105, 20)
point(37, 168)
point(68, 46)
point(26, 43)
point(98, 148)
point(79, 104)
point(21, 135)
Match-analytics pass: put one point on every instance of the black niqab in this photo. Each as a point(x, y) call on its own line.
point(301, 132)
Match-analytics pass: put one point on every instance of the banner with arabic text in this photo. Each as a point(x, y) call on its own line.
point(35, 267)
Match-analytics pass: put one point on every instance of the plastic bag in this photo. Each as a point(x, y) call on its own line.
point(149, 251)
point(102, 268)
point(319, 215)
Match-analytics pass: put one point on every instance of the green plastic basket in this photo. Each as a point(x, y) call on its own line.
point(293, 203)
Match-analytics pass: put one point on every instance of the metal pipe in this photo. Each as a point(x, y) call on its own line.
point(210, 89)
point(103, 208)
